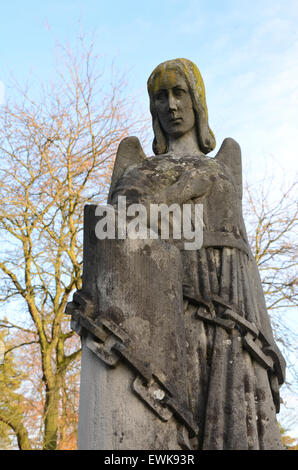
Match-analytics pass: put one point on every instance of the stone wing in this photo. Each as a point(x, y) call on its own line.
point(230, 155)
point(129, 153)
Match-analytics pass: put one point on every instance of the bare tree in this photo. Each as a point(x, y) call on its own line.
point(12, 408)
point(274, 244)
point(56, 155)
point(271, 215)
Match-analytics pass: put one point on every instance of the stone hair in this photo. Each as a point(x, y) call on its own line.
point(191, 74)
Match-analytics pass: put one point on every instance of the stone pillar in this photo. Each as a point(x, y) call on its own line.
point(133, 376)
point(112, 417)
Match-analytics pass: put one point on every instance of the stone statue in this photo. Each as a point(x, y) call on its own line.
point(178, 350)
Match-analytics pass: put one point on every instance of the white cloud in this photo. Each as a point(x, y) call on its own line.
point(254, 94)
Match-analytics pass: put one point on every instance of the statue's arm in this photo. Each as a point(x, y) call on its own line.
point(191, 185)
point(196, 183)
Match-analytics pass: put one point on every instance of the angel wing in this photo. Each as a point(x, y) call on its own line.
point(129, 153)
point(230, 154)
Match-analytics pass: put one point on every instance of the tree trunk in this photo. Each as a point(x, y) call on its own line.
point(19, 429)
point(51, 422)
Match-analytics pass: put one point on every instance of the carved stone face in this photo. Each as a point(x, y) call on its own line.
point(173, 103)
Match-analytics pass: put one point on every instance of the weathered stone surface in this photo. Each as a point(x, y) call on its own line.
point(178, 349)
point(124, 279)
point(112, 417)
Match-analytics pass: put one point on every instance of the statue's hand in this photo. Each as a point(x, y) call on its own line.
point(191, 185)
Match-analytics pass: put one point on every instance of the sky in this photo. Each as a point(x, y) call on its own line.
point(247, 52)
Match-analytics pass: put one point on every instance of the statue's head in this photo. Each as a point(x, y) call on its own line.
point(184, 76)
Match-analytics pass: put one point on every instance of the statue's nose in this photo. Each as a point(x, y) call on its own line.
point(172, 102)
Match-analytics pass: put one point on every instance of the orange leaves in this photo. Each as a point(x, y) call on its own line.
point(56, 155)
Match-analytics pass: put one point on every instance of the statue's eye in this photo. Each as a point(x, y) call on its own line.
point(178, 92)
point(160, 95)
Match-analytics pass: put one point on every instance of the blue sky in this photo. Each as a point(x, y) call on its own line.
point(247, 52)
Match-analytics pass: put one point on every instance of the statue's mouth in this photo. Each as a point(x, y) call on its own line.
point(176, 119)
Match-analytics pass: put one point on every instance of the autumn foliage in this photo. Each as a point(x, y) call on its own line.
point(56, 155)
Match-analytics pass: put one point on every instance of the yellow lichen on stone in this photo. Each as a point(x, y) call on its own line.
point(189, 71)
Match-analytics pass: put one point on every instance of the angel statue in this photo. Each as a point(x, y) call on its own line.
point(178, 350)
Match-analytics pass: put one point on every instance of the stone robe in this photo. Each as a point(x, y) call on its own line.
point(232, 395)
